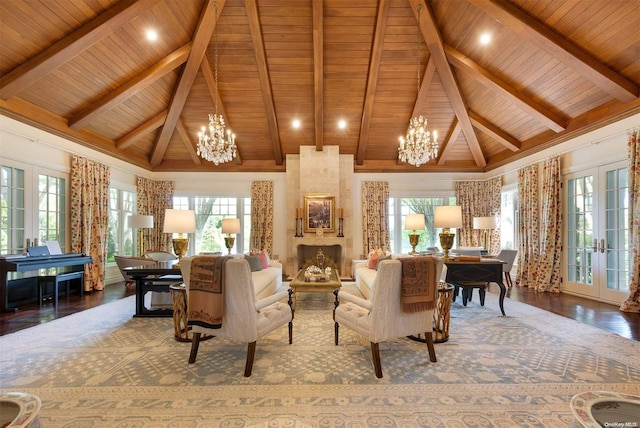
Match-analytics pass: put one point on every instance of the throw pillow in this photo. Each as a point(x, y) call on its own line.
point(381, 259)
point(372, 261)
point(264, 259)
point(254, 263)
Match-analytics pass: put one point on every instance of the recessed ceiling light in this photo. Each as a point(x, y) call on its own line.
point(342, 124)
point(296, 123)
point(485, 38)
point(152, 35)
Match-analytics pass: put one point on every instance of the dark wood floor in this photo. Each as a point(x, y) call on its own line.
point(602, 315)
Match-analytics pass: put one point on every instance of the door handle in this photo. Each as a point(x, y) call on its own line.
point(602, 246)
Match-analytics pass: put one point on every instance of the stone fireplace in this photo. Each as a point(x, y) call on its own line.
point(324, 172)
point(307, 248)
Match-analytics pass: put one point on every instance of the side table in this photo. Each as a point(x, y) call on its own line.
point(179, 298)
point(441, 315)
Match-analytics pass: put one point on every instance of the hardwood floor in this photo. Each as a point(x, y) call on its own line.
point(601, 315)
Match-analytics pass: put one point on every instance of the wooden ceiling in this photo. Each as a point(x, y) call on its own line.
point(554, 69)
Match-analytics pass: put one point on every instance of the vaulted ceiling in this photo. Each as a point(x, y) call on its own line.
point(553, 70)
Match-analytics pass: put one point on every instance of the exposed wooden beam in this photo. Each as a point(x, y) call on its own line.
point(523, 101)
point(447, 145)
point(423, 93)
point(62, 51)
point(186, 140)
point(494, 132)
point(265, 81)
point(434, 41)
point(132, 87)
point(210, 79)
point(561, 48)
point(202, 35)
point(372, 78)
point(142, 130)
point(318, 72)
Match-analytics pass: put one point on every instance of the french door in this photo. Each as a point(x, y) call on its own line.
point(597, 253)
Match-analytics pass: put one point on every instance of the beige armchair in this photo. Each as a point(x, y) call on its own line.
point(244, 318)
point(124, 261)
point(381, 317)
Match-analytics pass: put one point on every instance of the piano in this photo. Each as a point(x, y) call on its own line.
point(20, 263)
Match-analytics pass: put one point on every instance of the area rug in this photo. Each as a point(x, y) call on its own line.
point(103, 368)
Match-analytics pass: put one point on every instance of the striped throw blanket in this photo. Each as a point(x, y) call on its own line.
point(418, 284)
point(206, 291)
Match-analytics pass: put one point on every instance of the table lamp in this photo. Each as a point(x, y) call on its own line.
point(181, 222)
point(229, 226)
point(446, 217)
point(137, 221)
point(485, 224)
point(414, 222)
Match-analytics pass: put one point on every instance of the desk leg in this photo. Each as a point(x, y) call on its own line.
point(503, 291)
point(139, 296)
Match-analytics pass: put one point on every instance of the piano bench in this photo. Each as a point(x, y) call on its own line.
point(55, 280)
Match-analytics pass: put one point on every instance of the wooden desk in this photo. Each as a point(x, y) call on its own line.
point(469, 275)
point(154, 278)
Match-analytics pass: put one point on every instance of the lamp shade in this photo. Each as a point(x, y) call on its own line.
point(179, 221)
point(137, 221)
point(414, 222)
point(230, 225)
point(484, 223)
point(447, 216)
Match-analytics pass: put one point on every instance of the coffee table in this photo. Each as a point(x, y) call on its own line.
point(299, 283)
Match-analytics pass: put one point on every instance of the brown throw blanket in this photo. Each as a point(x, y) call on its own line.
point(206, 291)
point(418, 287)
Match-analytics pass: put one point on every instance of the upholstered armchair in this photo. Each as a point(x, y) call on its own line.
point(381, 318)
point(244, 318)
point(507, 256)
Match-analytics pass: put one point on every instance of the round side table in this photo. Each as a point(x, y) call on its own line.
point(179, 298)
point(441, 316)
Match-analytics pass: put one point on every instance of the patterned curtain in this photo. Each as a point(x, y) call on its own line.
point(375, 216)
point(632, 303)
point(90, 216)
point(262, 216)
point(154, 197)
point(529, 225)
point(479, 199)
point(548, 267)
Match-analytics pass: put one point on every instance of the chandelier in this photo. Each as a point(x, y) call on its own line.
point(419, 146)
point(214, 144)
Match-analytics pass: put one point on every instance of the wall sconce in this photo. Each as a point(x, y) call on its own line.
point(414, 222)
point(340, 223)
point(485, 224)
point(181, 222)
point(229, 226)
point(446, 217)
point(140, 222)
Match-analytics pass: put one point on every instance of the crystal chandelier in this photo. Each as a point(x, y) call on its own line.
point(419, 146)
point(215, 145)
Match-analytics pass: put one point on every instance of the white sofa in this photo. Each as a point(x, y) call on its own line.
point(366, 278)
point(266, 282)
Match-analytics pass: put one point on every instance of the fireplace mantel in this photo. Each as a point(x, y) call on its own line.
point(319, 241)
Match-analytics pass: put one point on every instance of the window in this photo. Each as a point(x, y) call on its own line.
point(121, 239)
point(52, 211)
point(399, 208)
point(508, 220)
point(209, 214)
point(12, 209)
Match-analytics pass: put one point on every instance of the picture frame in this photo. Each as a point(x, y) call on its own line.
point(319, 213)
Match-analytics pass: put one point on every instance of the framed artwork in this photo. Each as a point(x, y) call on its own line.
point(319, 213)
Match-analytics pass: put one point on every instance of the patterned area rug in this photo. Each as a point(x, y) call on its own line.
point(103, 368)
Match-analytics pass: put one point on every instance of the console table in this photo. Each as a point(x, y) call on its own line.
point(154, 278)
point(469, 275)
